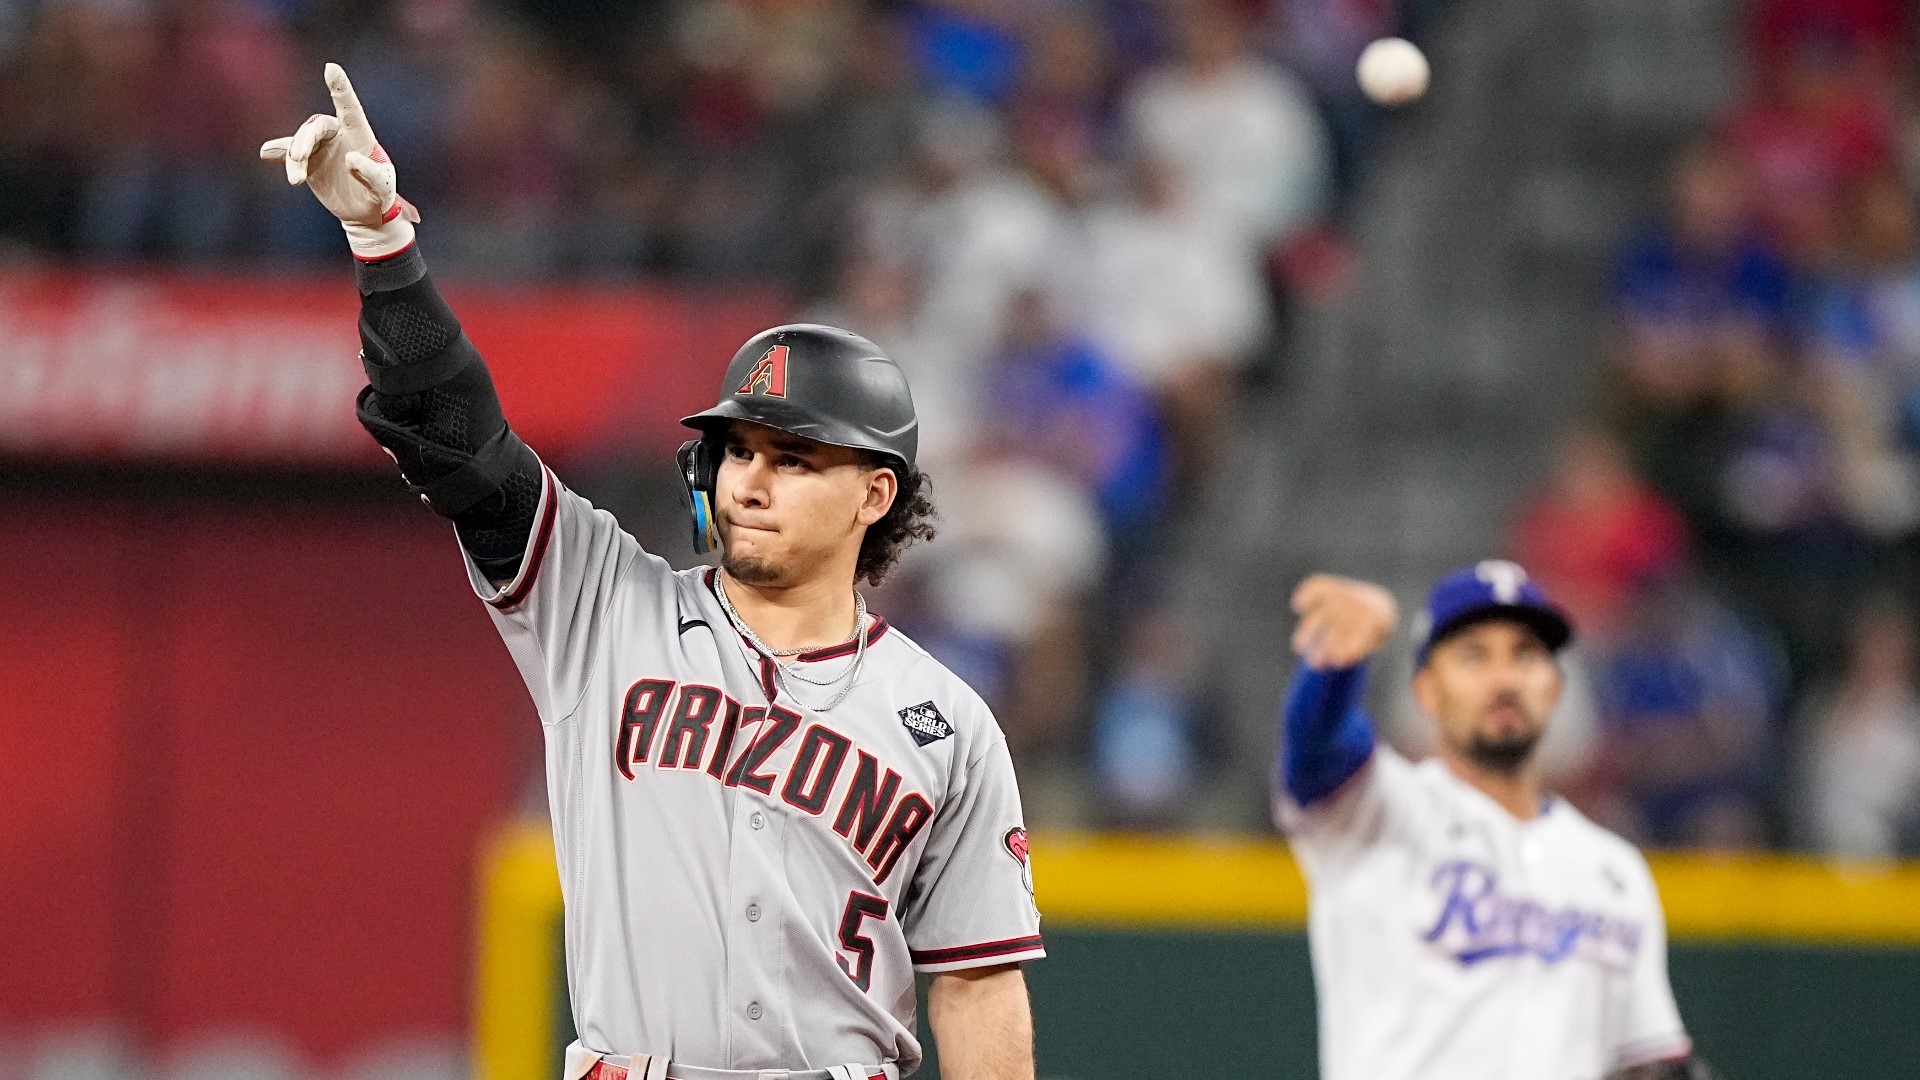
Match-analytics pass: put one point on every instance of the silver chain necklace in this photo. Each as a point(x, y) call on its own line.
point(781, 671)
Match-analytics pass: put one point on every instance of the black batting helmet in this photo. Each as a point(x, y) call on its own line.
point(817, 382)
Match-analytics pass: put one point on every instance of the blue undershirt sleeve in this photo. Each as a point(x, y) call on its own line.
point(1325, 734)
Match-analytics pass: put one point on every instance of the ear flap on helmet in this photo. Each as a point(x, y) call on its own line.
point(700, 469)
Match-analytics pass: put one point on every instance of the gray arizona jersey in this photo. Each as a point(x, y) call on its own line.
point(751, 884)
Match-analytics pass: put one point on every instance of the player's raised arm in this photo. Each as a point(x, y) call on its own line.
point(429, 399)
point(1325, 735)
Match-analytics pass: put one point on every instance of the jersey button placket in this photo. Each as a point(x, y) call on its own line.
point(754, 958)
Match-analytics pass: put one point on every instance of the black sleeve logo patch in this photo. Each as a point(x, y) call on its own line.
point(924, 723)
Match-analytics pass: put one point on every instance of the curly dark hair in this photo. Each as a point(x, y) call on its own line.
point(910, 518)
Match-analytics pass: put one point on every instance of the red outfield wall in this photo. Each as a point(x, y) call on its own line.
point(245, 761)
point(247, 747)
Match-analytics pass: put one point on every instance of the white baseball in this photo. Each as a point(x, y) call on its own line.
point(1393, 71)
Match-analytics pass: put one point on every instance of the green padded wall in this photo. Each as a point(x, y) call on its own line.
point(1124, 1005)
point(1113, 1005)
point(1227, 1005)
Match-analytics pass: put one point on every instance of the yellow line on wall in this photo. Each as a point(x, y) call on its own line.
point(1201, 882)
point(1131, 881)
point(1788, 897)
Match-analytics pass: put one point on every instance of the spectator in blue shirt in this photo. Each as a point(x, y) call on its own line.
point(1056, 393)
point(1688, 699)
point(1700, 296)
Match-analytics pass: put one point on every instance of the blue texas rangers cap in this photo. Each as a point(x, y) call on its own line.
point(1494, 589)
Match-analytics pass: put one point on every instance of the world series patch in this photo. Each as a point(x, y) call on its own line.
point(924, 723)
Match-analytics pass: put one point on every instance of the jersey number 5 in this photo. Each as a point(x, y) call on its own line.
point(860, 908)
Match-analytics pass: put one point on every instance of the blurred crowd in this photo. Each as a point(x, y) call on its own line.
point(710, 139)
point(1738, 531)
point(1080, 225)
point(1077, 223)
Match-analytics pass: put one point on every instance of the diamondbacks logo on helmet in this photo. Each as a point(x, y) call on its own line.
point(769, 376)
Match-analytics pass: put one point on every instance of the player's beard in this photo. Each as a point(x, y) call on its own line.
point(1503, 754)
point(1507, 752)
point(747, 569)
point(750, 570)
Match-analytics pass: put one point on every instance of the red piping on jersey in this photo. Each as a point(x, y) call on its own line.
point(875, 630)
point(539, 552)
point(846, 648)
point(982, 951)
point(767, 681)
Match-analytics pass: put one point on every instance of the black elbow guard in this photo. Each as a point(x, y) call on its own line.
point(431, 436)
point(430, 402)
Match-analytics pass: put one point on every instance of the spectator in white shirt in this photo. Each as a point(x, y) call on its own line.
point(1862, 768)
point(1178, 306)
point(1243, 136)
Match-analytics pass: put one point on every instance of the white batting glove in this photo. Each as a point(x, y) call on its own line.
point(338, 158)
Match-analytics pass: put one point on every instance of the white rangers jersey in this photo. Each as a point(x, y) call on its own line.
point(1452, 941)
point(751, 884)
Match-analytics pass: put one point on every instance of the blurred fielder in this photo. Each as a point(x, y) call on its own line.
point(769, 812)
point(1464, 924)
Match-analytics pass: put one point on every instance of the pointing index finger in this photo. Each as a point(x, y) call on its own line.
point(346, 103)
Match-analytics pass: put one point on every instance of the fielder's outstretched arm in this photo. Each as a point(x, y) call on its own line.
point(429, 400)
point(1326, 736)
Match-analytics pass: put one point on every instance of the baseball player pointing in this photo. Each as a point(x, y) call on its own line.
point(770, 809)
point(1464, 924)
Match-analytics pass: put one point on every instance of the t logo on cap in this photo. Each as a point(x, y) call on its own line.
point(1489, 588)
point(1505, 577)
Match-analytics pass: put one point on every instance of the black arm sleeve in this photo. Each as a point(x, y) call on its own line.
point(431, 404)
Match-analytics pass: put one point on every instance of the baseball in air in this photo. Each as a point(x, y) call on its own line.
point(1393, 71)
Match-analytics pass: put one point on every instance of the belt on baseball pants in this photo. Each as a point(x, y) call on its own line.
point(584, 1064)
